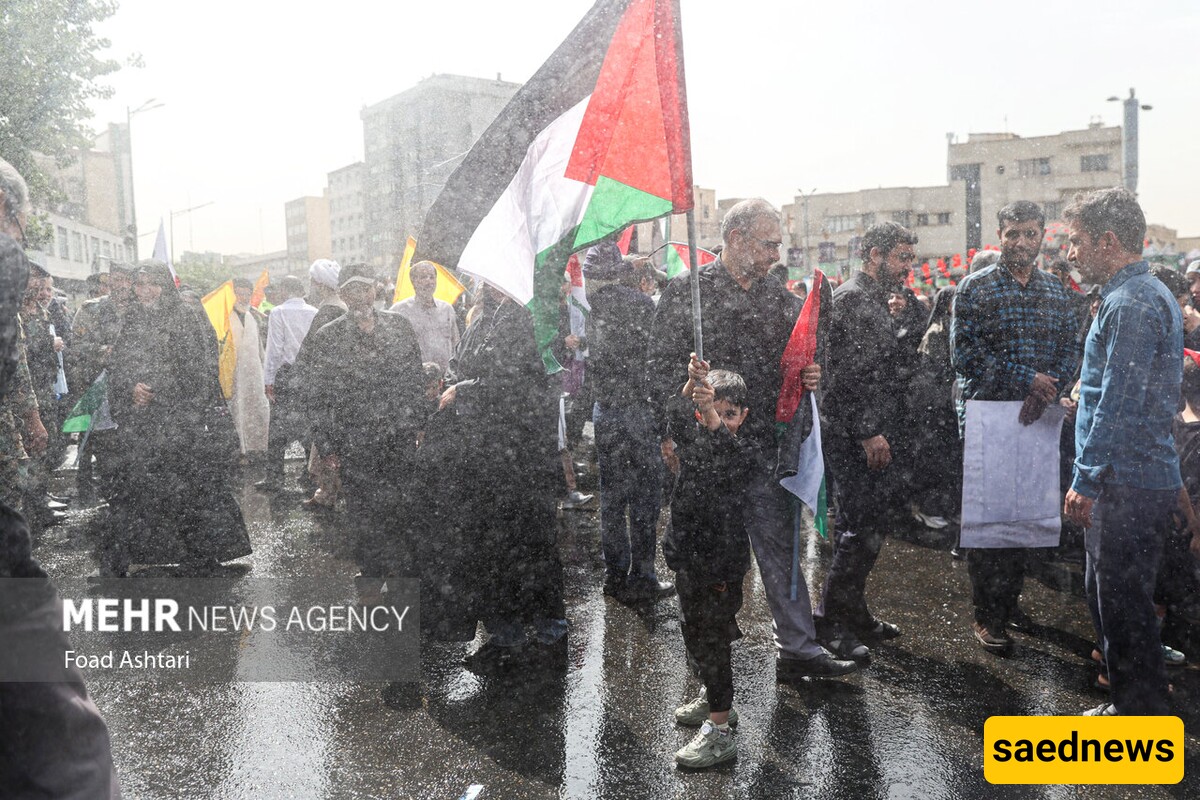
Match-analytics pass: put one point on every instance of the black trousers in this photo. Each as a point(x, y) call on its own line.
point(997, 577)
point(1124, 547)
point(708, 614)
point(868, 503)
point(287, 425)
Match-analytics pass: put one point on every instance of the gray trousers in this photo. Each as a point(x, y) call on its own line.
point(771, 523)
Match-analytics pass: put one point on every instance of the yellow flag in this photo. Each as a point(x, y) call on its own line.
point(218, 305)
point(448, 287)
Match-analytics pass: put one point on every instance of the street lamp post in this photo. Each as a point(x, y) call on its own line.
point(173, 215)
point(1129, 139)
point(149, 105)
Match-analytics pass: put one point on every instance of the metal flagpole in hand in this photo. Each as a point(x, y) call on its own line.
point(694, 277)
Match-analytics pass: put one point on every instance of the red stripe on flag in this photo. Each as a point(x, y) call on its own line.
point(800, 351)
point(625, 240)
point(635, 128)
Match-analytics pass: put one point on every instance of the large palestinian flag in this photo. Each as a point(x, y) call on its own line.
point(596, 140)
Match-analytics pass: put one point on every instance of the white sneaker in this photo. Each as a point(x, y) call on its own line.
point(695, 713)
point(709, 747)
point(1173, 657)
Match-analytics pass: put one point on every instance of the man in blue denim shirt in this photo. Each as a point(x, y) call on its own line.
point(1126, 479)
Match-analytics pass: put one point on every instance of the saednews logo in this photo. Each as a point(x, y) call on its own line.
point(1083, 750)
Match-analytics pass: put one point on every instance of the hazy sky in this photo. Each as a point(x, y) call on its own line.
point(262, 97)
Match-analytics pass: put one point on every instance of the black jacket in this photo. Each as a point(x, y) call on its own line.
point(868, 375)
point(620, 324)
point(707, 535)
point(367, 389)
point(745, 330)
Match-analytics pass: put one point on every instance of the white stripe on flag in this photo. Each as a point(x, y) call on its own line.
point(537, 209)
point(810, 471)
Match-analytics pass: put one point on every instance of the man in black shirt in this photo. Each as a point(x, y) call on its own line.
point(367, 404)
point(626, 447)
point(748, 316)
point(864, 411)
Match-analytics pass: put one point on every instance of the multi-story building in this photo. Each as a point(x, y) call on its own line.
point(652, 235)
point(998, 168)
point(308, 237)
point(984, 174)
point(92, 221)
point(828, 228)
point(251, 265)
point(347, 225)
point(411, 144)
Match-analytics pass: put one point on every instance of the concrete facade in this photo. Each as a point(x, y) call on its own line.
point(307, 220)
point(998, 168)
point(837, 221)
point(251, 265)
point(76, 249)
point(347, 223)
point(412, 143)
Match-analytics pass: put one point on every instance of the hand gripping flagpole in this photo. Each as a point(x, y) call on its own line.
point(694, 277)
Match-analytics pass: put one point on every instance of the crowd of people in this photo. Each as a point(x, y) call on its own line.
point(439, 433)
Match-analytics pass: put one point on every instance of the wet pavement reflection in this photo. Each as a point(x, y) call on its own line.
point(910, 725)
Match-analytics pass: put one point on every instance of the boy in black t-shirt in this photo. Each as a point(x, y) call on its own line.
point(708, 548)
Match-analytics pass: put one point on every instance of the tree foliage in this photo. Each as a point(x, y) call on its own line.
point(52, 64)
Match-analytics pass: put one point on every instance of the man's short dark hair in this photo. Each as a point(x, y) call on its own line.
point(1175, 283)
point(243, 283)
point(291, 286)
point(728, 386)
point(93, 280)
point(1021, 211)
point(1115, 210)
point(1191, 383)
point(886, 236)
point(38, 271)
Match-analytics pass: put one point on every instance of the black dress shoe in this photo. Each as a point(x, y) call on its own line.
point(822, 666)
point(843, 644)
point(490, 657)
point(1018, 620)
point(879, 630)
point(649, 589)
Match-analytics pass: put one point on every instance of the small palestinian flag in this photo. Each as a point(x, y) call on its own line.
point(679, 258)
point(595, 141)
point(796, 416)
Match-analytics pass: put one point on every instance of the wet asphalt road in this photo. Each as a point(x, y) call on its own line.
point(908, 726)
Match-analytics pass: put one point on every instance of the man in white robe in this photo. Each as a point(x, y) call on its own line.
point(249, 406)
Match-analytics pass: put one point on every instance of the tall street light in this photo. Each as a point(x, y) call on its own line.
point(1129, 139)
point(175, 214)
point(130, 113)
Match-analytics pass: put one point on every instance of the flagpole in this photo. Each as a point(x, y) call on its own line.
point(694, 270)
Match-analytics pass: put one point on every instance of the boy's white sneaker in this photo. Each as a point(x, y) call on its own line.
point(695, 713)
point(709, 747)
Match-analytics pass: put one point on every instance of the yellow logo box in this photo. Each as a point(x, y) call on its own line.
point(1083, 750)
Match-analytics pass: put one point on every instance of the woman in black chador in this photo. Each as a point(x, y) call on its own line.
point(171, 496)
point(494, 441)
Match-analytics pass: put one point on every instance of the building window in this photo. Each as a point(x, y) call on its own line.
point(922, 220)
point(64, 245)
point(902, 217)
point(95, 249)
point(1052, 211)
point(841, 222)
point(76, 247)
point(1096, 163)
point(868, 220)
point(943, 218)
point(1033, 167)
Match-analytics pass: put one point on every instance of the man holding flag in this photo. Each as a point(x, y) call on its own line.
point(748, 318)
point(96, 327)
point(863, 414)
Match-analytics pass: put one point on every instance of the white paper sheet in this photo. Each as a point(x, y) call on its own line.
point(1011, 494)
